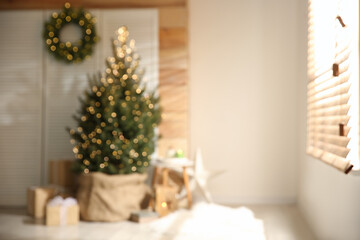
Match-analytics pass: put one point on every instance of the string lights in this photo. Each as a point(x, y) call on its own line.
point(118, 117)
point(67, 51)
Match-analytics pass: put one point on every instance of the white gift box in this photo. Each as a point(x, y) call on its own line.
point(61, 211)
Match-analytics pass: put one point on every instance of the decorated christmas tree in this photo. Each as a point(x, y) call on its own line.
point(118, 116)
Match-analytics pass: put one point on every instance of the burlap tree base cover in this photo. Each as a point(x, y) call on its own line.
point(110, 198)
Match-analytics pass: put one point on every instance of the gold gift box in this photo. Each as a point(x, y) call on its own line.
point(37, 197)
point(60, 174)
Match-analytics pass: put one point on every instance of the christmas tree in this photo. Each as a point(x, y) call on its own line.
point(118, 116)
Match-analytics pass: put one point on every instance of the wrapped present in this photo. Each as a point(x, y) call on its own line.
point(37, 197)
point(60, 174)
point(165, 200)
point(60, 211)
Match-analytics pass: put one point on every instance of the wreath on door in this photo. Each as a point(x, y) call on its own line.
point(70, 52)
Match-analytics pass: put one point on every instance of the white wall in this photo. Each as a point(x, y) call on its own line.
point(248, 71)
point(243, 88)
point(329, 199)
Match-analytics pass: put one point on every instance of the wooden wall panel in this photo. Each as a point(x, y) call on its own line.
point(51, 4)
point(173, 17)
point(173, 59)
point(173, 87)
point(172, 37)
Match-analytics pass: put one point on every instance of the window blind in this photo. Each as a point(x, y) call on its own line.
point(332, 88)
point(20, 104)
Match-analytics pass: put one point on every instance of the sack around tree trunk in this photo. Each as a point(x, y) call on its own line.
point(110, 198)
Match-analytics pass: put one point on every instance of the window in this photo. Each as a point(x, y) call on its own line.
point(333, 87)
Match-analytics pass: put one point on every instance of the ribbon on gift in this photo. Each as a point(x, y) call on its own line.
point(64, 204)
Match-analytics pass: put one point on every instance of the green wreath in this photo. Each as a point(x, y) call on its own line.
point(69, 51)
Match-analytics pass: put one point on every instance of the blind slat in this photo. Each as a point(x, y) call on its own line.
point(331, 83)
point(327, 81)
point(327, 129)
point(341, 141)
point(316, 74)
point(338, 110)
point(332, 148)
point(328, 120)
point(329, 102)
point(343, 88)
point(333, 160)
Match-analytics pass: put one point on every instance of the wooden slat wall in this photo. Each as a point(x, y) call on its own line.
point(173, 85)
point(53, 4)
point(173, 56)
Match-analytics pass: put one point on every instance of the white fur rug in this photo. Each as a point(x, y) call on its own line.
point(204, 221)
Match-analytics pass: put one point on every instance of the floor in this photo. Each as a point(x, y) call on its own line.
point(281, 222)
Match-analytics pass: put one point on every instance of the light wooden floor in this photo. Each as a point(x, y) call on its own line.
point(281, 222)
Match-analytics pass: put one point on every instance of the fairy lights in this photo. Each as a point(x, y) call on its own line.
point(118, 117)
point(67, 51)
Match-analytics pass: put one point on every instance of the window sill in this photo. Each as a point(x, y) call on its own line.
point(355, 172)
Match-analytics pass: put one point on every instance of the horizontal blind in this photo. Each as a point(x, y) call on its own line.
point(20, 104)
point(331, 85)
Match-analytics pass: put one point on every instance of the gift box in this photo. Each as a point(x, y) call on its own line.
point(165, 200)
point(60, 211)
point(60, 174)
point(37, 197)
